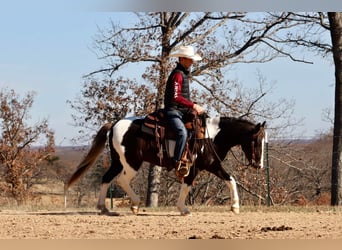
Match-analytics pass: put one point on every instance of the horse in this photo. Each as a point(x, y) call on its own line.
point(130, 147)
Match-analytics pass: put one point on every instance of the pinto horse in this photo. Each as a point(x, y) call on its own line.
point(129, 147)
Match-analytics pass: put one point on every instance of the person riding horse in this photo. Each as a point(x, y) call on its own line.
point(177, 102)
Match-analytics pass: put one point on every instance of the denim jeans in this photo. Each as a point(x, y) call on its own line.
point(174, 118)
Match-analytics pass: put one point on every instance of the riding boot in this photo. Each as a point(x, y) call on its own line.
point(182, 169)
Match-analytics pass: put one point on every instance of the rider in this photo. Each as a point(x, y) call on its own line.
point(177, 101)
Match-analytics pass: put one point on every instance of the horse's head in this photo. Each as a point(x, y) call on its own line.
point(253, 145)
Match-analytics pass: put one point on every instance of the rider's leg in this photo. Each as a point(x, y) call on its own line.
point(175, 121)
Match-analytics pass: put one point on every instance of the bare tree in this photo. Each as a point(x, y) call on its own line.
point(331, 21)
point(20, 161)
point(310, 35)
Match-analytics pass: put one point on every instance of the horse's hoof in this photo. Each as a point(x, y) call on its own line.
point(235, 210)
point(103, 209)
point(135, 209)
point(186, 213)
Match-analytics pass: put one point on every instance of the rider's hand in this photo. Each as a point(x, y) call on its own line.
point(198, 108)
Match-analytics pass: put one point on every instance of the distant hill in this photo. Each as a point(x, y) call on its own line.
point(71, 155)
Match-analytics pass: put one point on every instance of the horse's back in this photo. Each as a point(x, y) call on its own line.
point(123, 128)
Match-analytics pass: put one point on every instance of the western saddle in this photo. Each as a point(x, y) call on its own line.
point(155, 124)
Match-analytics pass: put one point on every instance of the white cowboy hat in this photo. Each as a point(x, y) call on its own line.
point(187, 52)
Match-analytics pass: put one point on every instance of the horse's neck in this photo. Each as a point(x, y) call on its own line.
point(212, 127)
point(228, 131)
point(224, 137)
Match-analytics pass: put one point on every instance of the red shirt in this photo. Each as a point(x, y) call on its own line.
point(177, 96)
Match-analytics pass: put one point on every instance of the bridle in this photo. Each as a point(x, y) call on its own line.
point(261, 132)
point(255, 136)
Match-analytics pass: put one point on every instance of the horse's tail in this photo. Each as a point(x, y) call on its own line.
point(96, 148)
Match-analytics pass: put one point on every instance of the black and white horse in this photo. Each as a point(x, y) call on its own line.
point(129, 147)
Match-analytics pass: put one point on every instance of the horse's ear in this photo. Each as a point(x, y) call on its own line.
point(257, 128)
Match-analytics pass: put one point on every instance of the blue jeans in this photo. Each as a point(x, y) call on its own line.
point(174, 118)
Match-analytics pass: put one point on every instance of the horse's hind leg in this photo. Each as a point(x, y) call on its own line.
point(101, 205)
point(123, 181)
point(111, 173)
point(184, 191)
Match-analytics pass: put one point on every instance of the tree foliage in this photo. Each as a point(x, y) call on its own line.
point(20, 161)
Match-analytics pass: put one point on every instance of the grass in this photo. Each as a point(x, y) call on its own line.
point(262, 209)
point(56, 203)
point(193, 209)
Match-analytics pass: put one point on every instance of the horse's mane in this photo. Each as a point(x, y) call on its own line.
point(236, 120)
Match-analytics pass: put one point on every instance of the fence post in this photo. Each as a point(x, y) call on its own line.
point(267, 171)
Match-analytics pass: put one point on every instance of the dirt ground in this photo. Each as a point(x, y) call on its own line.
point(158, 224)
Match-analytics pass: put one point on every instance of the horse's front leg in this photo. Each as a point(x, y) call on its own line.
point(184, 191)
point(235, 206)
point(230, 181)
point(107, 178)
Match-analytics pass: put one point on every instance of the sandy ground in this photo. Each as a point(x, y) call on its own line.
point(151, 224)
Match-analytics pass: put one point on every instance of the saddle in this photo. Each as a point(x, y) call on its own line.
point(155, 124)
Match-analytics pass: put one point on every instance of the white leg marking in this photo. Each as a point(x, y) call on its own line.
point(235, 206)
point(126, 175)
point(101, 204)
point(123, 181)
point(184, 191)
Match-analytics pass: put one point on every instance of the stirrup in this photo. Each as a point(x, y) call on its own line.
point(182, 169)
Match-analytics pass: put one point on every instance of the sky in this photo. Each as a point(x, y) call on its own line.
point(48, 48)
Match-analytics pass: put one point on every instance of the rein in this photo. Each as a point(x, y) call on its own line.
point(221, 160)
point(240, 162)
point(211, 144)
point(218, 157)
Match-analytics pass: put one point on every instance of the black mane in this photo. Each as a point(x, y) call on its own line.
point(236, 125)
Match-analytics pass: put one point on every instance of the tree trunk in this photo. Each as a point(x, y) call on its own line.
point(153, 186)
point(335, 20)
